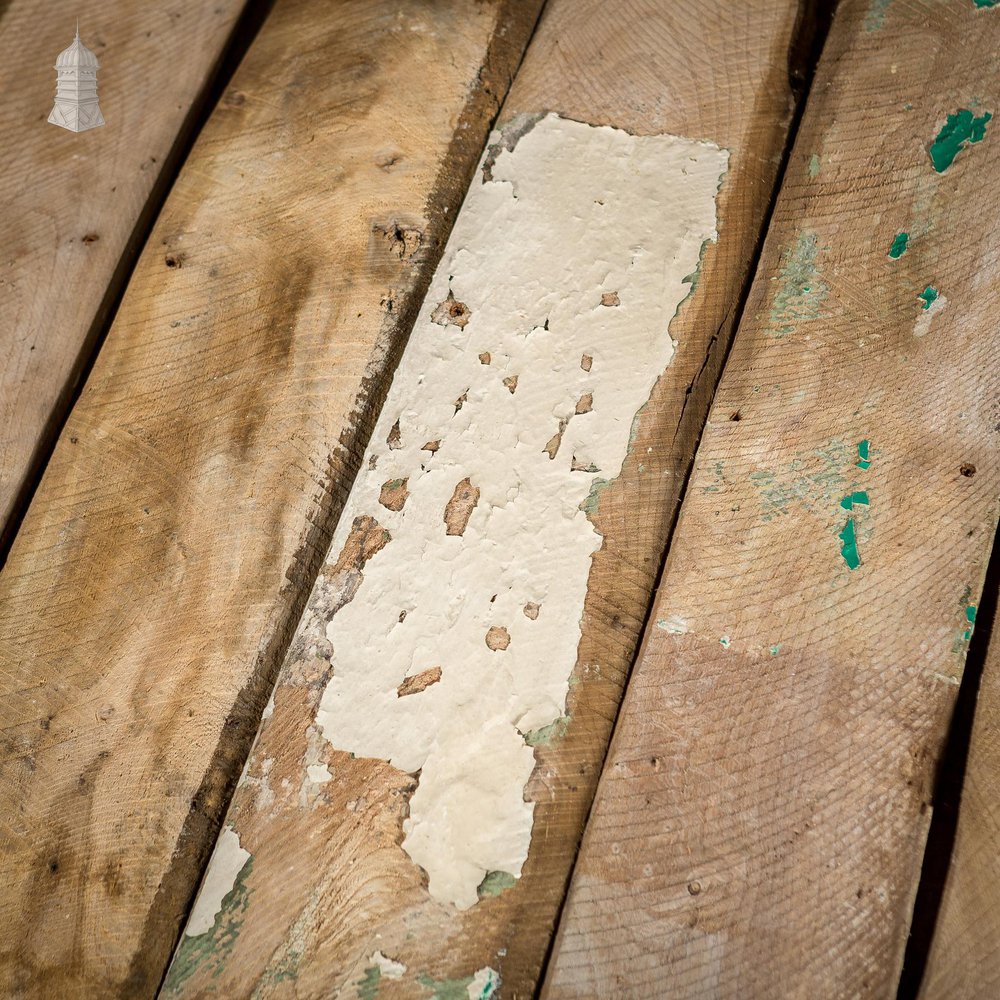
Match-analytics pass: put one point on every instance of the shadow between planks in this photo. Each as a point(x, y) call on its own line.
point(276, 935)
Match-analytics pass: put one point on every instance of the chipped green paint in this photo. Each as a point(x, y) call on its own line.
point(928, 295)
point(849, 545)
point(725, 642)
point(961, 129)
point(495, 883)
point(875, 17)
point(814, 165)
point(804, 485)
point(800, 290)
point(590, 504)
point(858, 496)
point(446, 989)
point(368, 985)
point(899, 245)
point(864, 454)
point(984, 4)
point(489, 987)
point(214, 945)
point(775, 649)
point(547, 735)
point(970, 617)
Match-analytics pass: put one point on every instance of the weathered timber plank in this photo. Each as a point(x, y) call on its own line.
point(963, 961)
point(71, 203)
point(172, 542)
point(403, 661)
point(760, 821)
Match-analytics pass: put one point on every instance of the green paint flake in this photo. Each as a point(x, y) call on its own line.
point(446, 989)
point(864, 454)
point(928, 295)
point(859, 497)
point(774, 650)
point(800, 290)
point(725, 642)
point(368, 986)
point(814, 165)
point(960, 130)
point(495, 883)
point(849, 545)
point(547, 735)
point(970, 611)
point(590, 504)
point(898, 247)
point(984, 4)
point(214, 945)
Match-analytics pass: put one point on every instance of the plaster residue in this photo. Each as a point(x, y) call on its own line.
point(576, 246)
point(386, 966)
point(228, 860)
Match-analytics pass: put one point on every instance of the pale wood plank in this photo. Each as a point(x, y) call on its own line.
point(327, 883)
point(71, 203)
point(164, 559)
point(760, 821)
point(964, 958)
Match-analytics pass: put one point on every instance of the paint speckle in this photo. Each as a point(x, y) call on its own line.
point(725, 642)
point(775, 649)
point(814, 165)
point(899, 245)
point(800, 289)
point(674, 624)
point(962, 129)
point(864, 454)
point(875, 18)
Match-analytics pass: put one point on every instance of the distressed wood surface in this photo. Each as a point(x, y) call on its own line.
point(760, 821)
point(71, 203)
point(171, 544)
point(323, 883)
point(963, 962)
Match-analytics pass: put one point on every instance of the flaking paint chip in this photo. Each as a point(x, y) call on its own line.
point(585, 403)
point(498, 638)
point(394, 494)
point(460, 507)
point(418, 682)
point(451, 312)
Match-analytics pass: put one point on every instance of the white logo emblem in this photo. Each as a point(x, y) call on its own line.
point(76, 106)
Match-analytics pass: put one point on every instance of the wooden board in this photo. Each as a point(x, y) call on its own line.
point(760, 820)
point(962, 961)
point(169, 550)
point(73, 204)
point(315, 879)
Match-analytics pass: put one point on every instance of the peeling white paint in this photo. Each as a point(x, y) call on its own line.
point(228, 860)
point(319, 774)
point(387, 966)
point(484, 985)
point(542, 335)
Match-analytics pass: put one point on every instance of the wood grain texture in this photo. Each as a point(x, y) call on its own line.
point(173, 539)
point(329, 883)
point(71, 203)
point(963, 962)
point(760, 821)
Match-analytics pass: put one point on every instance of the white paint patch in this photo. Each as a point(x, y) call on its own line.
point(484, 984)
point(228, 860)
point(923, 323)
point(542, 335)
point(386, 966)
point(319, 774)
